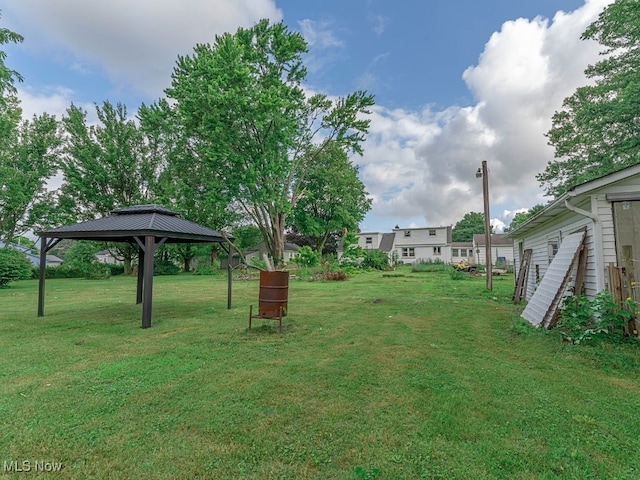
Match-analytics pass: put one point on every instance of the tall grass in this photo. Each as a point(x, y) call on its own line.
point(386, 377)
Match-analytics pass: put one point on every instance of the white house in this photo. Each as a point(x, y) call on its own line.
point(607, 209)
point(104, 256)
point(290, 252)
point(409, 245)
point(501, 249)
point(462, 251)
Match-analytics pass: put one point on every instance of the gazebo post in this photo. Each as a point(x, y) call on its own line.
point(45, 246)
point(140, 274)
point(147, 290)
point(229, 276)
point(43, 264)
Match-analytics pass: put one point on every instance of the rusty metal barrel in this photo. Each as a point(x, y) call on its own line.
point(274, 293)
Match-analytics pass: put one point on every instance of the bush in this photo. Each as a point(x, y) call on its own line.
point(457, 274)
point(96, 271)
point(376, 259)
point(429, 265)
point(61, 271)
point(115, 269)
point(307, 257)
point(14, 265)
point(165, 267)
point(208, 269)
point(582, 319)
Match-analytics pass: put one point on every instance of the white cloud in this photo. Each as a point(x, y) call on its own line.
point(427, 163)
point(319, 34)
point(54, 101)
point(135, 43)
point(325, 47)
point(378, 22)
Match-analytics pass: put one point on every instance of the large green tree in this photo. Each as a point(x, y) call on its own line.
point(186, 183)
point(28, 151)
point(333, 197)
point(28, 159)
point(105, 166)
point(470, 224)
point(598, 129)
point(241, 101)
point(27, 155)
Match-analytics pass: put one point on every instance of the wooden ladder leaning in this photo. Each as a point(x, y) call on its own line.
point(520, 291)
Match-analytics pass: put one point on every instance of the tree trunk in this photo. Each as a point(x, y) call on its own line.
point(127, 265)
point(278, 238)
point(322, 241)
point(186, 263)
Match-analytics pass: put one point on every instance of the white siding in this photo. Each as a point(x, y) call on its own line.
point(376, 238)
point(423, 243)
point(559, 228)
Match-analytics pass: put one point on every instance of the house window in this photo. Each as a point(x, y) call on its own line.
point(408, 252)
point(463, 252)
point(368, 240)
point(454, 252)
point(407, 233)
point(553, 248)
point(432, 233)
point(436, 251)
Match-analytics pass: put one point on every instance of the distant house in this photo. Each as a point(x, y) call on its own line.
point(501, 249)
point(104, 256)
point(462, 251)
point(607, 209)
point(431, 244)
point(423, 244)
point(290, 252)
point(409, 245)
point(378, 241)
point(34, 258)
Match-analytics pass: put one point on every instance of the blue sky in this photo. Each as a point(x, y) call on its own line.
point(455, 82)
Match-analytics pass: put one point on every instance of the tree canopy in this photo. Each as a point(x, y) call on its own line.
point(28, 153)
point(333, 197)
point(242, 105)
point(597, 131)
point(522, 217)
point(470, 224)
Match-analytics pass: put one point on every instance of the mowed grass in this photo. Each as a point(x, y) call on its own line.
point(383, 376)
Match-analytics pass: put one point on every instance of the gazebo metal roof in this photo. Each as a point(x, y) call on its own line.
point(148, 226)
point(137, 221)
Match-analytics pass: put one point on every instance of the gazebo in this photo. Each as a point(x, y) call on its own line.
point(149, 227)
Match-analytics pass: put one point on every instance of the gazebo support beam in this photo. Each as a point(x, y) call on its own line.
point(147, 289)
point(229, 251)
point(45, 246)
point(140, 274)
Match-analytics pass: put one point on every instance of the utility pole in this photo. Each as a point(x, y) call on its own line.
point(482, 173)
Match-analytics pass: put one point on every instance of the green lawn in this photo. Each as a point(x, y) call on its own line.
point(378, 377)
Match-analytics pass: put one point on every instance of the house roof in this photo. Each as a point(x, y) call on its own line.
point(137, 221)
point(558, 205)
point(386, 242)
point(496, 239)
point(462, 244)
point(288, 247)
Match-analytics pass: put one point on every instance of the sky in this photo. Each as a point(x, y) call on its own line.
point(456, 82)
